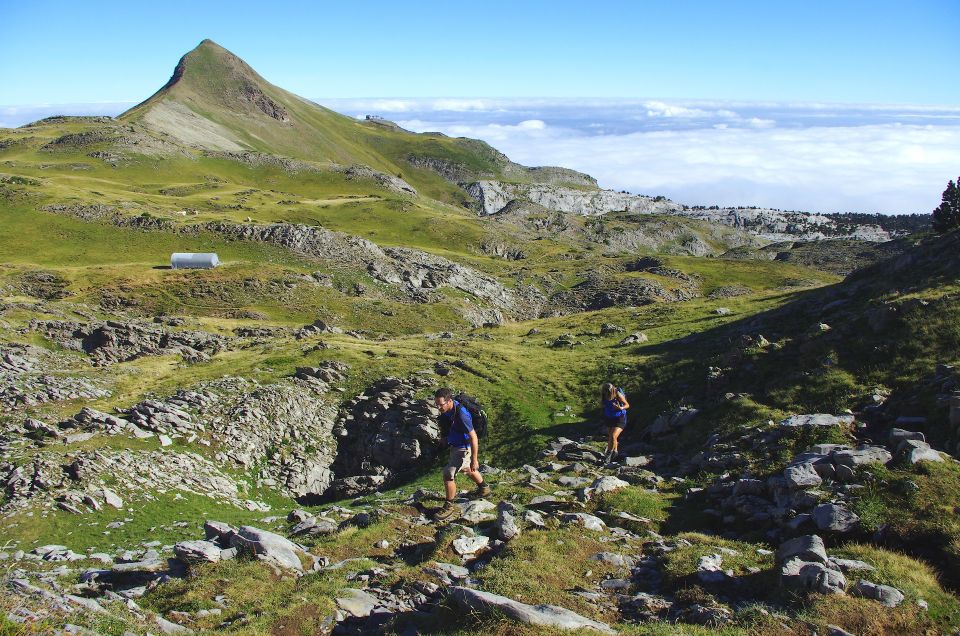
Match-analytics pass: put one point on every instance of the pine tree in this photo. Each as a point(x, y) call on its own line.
point(947, 216)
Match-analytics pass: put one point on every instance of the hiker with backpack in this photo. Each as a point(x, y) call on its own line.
point(615, 407)
point(463, 439)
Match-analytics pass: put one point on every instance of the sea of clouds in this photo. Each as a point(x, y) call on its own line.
point(805, 156)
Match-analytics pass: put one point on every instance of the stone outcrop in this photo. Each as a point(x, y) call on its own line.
point(30, 376)
point(546, 615)
point(387, 433)
point(47, 481)
point(120, 341)
point(493, 197)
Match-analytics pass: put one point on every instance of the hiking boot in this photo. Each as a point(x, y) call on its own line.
point(483, 490)
point(448, 512)
point(607, 457)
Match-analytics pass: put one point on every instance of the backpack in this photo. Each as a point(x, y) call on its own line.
point(476, 411)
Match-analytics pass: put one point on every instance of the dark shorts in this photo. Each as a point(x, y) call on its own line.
point(616, 422)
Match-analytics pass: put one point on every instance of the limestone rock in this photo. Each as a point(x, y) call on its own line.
point(268, 546)
point(862, 455)
point(607, 484)
point(546, 615)
point(506, 526)
point(356, 602)
point(887, 595)
point(835, 517)
point(806, 548)
point(590, 522)
point(817, 420)
point(315, 526)
point(817, 577)
point(802, 475)
point(197, 552)
point(468, 546)
point(476, 511)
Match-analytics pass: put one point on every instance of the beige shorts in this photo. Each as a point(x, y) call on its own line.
point(459, 460)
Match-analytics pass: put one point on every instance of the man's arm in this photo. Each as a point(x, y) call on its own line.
point(474, 451)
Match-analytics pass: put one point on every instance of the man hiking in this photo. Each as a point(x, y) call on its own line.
point(464, 449)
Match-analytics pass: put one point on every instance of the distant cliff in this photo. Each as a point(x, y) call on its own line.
point(773, 225)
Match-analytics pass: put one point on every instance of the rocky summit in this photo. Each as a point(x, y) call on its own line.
point(255, 447)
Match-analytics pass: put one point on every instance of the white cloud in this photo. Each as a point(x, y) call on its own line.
point(877, 168)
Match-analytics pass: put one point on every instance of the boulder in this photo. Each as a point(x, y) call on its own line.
point(268, 547)
point(834, 517)
point(887, 595)
point(800, 575)
point(898, 435)
point(356, 602)
point(448, 572)
point(634, 338)
point(194, 552)
point(546, 615)
point(506, 526)
point(111, 498)
point(806, 548)
point(589, 522)
point(672, 421)
point(607, 484)
point(709, 569)
point(218, 531)
point(314, 526)
point(615, 559)
point(476, 511)
point(534, 518)
point(817, 420)
point(469, 546)
point(802, 475)
point(915, 451)
point(849, 565)
point(862, 455)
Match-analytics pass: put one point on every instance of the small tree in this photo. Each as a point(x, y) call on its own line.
point(947, 216)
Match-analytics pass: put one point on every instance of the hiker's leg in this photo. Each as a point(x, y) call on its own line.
point(450, 473)
point(610, 439)
point(451, 489)
point(475, 475)
point(614, 438)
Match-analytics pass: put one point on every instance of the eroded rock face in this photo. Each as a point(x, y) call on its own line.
point(385, 432)
point(115, 341)
point(493, 196)
point(598, 292)
point(772, 225)
point(30, 376)
point(47, 478)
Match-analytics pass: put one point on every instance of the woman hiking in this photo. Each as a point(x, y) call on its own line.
point(615, 407)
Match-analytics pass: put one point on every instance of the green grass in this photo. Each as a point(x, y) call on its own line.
point(534, 392)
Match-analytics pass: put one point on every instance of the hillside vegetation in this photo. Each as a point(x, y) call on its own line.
point(253, 448)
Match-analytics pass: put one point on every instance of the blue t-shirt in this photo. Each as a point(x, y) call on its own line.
point(611, 409)
point(460, 427)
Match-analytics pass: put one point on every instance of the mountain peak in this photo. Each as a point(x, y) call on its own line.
point(210, 77)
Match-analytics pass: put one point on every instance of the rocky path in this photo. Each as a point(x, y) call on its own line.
point(412, 584)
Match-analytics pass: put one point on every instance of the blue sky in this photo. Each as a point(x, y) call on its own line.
point(817, 106)
point(848, 51)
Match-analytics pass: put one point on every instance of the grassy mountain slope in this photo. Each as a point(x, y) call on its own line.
point(746, 342)
point(215, 100)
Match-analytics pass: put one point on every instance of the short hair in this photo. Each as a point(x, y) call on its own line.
point(444, 393)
